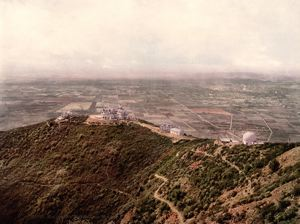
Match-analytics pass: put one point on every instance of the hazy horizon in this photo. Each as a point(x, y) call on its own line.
point(136, 38)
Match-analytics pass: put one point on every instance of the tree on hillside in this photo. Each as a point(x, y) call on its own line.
point(274, 165)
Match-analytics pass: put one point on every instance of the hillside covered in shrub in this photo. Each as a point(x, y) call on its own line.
point(77, 173)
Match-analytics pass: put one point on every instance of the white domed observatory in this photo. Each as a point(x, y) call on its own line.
point(249, 138)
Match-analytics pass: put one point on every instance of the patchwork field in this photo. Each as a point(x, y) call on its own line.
point(203, 108)
point(76, 106)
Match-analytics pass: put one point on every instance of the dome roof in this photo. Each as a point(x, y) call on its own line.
point(248, 134)
point(249, 137)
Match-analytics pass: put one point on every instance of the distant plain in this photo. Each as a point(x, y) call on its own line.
point(211, 108)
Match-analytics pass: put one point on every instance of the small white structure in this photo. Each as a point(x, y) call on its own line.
point(176, 131)
point(65, 116)
point(121, 114)
point(249, 138)
point(166, 127)
point(225, 139)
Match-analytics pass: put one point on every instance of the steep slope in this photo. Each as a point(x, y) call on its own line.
point(214, 183)
point(74, 170)
point(78, 173)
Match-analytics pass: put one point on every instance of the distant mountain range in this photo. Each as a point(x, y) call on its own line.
point(28, 75)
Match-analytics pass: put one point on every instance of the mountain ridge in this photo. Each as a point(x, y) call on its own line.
point(78, 173)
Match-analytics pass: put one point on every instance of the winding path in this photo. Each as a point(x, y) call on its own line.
point(30, 182)
point(233, 166)
point(170, 204)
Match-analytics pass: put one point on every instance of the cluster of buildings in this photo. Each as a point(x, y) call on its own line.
point(103, 114)
point(119, 113)
point(169, 128)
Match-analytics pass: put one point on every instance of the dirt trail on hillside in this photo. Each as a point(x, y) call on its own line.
point(234, 167)
point(226, 161)
point(29, 182)
point(170, 204)
point(249, 186)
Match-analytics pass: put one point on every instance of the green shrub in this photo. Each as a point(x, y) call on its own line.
point(164, 208)
point(274, 165)
point(268, 212)
point(283, 204)
point(259, 164)
point(278, 214)
point(287, 215)
point(223, 218)
point(296, 190)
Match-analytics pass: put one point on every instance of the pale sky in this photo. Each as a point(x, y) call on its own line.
point(104, 35)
